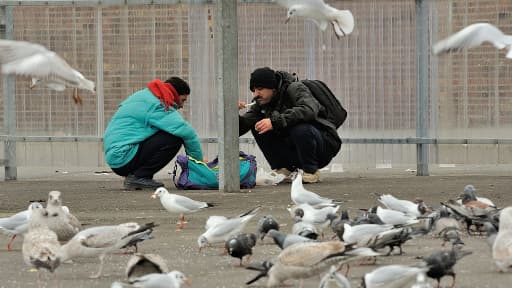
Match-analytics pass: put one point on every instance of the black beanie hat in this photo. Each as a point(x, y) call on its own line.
point(180, 85)
point(263, 78)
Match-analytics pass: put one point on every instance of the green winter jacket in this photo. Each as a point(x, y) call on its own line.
point(138, 117)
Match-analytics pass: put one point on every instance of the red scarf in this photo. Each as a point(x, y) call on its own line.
point(165, 92)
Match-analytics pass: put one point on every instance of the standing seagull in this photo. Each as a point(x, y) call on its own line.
point(17, 224)
point(179, 204)
point(34, 60)
point(320, 13)
point(301, 195)
point(474, 35)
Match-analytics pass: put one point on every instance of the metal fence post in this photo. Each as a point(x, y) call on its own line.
point(226, 51)
point(9, 92)
point(422, 86)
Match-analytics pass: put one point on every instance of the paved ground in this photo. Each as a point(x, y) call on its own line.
point(99, 199)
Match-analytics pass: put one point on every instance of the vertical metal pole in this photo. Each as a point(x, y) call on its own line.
point(422, 86)
point(100, 105)
point(9, 91)
point(226, 51)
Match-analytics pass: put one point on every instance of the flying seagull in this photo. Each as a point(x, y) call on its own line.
point(474, 35)
point(43, 66)
point(320, 13)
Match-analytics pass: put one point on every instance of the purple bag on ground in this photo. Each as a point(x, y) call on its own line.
point(196, 174)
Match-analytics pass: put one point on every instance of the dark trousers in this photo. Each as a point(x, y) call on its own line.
point(153, 154)
point(302, 146)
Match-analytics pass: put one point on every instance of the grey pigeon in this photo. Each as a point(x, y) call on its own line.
point(141, 264)
point(266, 223)
point(391, 238)
point(284, 240)
point(441, 263)
point(452, 235)
point(337, 224)
point(241, 245)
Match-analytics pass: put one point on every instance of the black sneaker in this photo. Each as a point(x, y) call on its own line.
point(138, 183)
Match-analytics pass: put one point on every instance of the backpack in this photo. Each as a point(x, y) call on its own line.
point(196, 174)
point(335, 113)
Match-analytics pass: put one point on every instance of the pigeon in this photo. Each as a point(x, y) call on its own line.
point(284, 240)
point(173, 279)
point(452, 235)
point(333, 277)
point(304, 260)
point(59, 220)
point(321, 14)
point(225, 229)
point(502, 247)
point(392, 276)
point(337, 224)
point(44, 66)
point(265, 224)
point(300, 195)
point(474, 35)
point(441, 263)
point(179, 204)
point(444, 222)
point(469, 195)
point(17, 224)
point(40, 244)
point(141, 264)
point(100, 240)
point(390, 238)
point(241, 245)
point(405, 206)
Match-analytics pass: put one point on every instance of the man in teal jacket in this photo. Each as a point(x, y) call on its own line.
point(147, 131)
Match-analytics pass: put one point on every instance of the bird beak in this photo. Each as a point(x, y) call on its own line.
point(287, 19)
point(153, 196)
point(187, 282)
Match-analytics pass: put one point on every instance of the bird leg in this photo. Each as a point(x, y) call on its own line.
point(181, 225)
point(453, 281)
point(9, 245)
point(100, 270)
point(76, 97)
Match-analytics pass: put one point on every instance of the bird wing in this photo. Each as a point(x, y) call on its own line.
point(29, 59)
point(309, 253)
point(16, 220)
point(472, 36)
point(102, 236)
point(189, 204)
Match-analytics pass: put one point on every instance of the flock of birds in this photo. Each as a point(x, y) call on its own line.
point(52, 236)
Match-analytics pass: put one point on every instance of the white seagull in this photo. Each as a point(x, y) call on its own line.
point(474, 35)
point(392, 276)
point(301, 195)
point(179, 204)
point(34, 60)
point(321, 14)
point(502, 247)
point(17, 224)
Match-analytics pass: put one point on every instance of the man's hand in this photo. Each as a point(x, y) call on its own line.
point(241, 105)
point(263, 126)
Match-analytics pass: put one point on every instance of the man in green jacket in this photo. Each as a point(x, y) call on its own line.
point(147, 131)
point(289, 124)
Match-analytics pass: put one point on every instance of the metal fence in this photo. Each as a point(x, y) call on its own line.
point(122, 45)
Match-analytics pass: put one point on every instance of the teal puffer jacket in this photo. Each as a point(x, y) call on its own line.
point(138, 117)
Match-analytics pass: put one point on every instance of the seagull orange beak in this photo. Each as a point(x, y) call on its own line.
point(153, 196)
point(187, 282)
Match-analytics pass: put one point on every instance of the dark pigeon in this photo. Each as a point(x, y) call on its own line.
point(241, 245)
point(266, 223)
point(284, 240)
point(441, 263)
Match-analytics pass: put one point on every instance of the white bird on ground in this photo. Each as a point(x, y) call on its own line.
point(98, 241)
point(502, 247)
point(301, 195)
point(34, 60)
point(17, 224)
point(174, 279)
point(222, 231)
point(179, 204)
point(406, 206)
point(362, 233)
point(393, 217)
point(60, 220)
point(392, 276)
point(40, 244)
point(474, 35)
point(321, 14)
